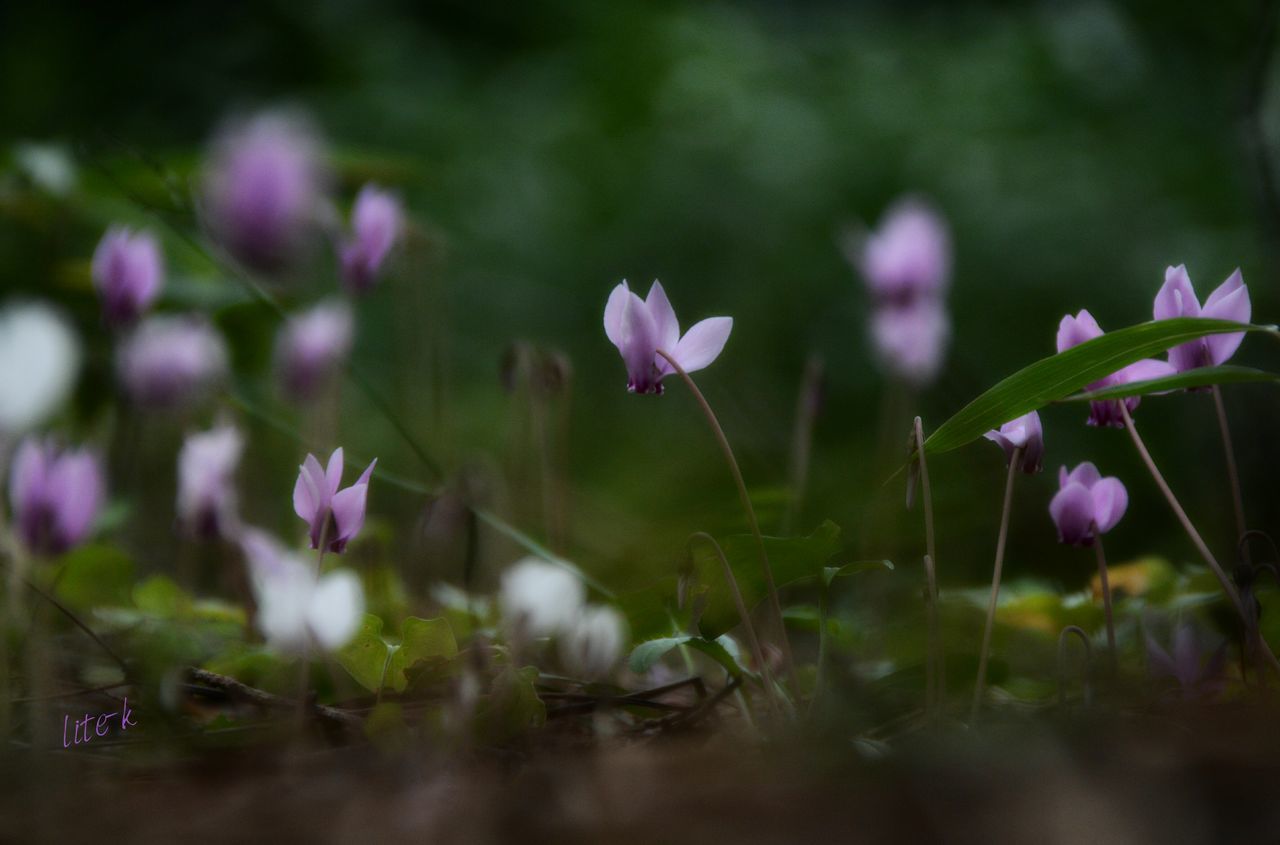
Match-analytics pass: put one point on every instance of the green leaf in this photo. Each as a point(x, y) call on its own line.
point(366, 656)
point(160, 596)
point(1201, 377)
point(831, 573)
point(791, 559)
point(96, 576)
point(649, 653)
point(1061, 375)
point(422, 640)
point(512, 706)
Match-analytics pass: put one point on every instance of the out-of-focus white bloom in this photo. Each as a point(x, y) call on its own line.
point(540, 598)
point(206, 488)
point(591, 646)
point(295, 608)
point(39, 360)
point(50, 167)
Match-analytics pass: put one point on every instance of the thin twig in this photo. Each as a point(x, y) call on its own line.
point(262, 698)
point(124, 667)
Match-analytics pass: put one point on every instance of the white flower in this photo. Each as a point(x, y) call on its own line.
point(591, 646)
point(540, 597)
point(295, 609)
point(39, 359)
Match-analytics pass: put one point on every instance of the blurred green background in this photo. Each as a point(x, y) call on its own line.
point(547, 151)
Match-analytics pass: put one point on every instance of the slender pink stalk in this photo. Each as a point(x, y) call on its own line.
point(937, 680)
point(1233, 474)
point(1014, 464)
point(1106, 595)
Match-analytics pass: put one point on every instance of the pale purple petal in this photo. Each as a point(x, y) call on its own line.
point(1073, 331)
point(368, 472)
point(76, 485)
point(1085, 473)
point(1072, 511)
point(333, 474)
point(1145, 370)
point(1176, 297)
point(639, 347)
point(1229, 302)
point(348, 515)
point(1110, 500)
point(666, 326)
point(28, 476)
point(703, 343)
point(614, 310)
point(308, 495)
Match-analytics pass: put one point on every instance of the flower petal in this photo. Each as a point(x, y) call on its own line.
point(306, 494)
point(333, 473)
point(639, 346)
point(703, 343)
point(28, 478)
point(335, 609)
point(1228, 304)
point(613, 313)
point(666, 326)
point(348, 514)
point(1110, 501)
point(1176, 297)
point(1073, 331)
point(1072, 512)
point(76, 484)
point(1085, 473)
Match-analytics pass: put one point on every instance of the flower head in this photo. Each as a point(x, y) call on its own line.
point(1023, 433)
point(1195, 676)
point(39, 359)
point(1230, 301)
point(1073, 331)
point(642, 327)
point(540, 598)
point(128, 271)
point(1086, 504)
point(297, 609)
point(171, 361)
point(206, 486)
point(909, 256)
point(910, 340)
point(335, 516)
point(592, 644)
point(262, 184)
point(376, 222)
point(311, 346)
point(55, 495)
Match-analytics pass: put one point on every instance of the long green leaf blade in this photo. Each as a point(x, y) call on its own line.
point(1201, 377)
point(1061, 375)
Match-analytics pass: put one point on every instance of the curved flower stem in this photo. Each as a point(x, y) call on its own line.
point(1198, 542)
point(1233, 474)
point(1014, 462)
point(937, 674)
point(753, 642)
point(1062, 653)
point(1106, 596)
point(746, 506)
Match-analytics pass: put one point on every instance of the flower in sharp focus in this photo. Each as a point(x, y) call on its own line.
point(908, 257)
point(262, 187)
point(592, 644)
point(1026, 433)
point(377, 220)
point(1230, 301)
point(171, 361)
point(297, 609)
point(1073, 331)
point(334, 516)
point(1086, 504)
point(642, 327)
point(540, 598)
point(1195, 676)
point(39, 360)
point(311, 346)
point(128, 271)
point(55, 495)
point(206, 486)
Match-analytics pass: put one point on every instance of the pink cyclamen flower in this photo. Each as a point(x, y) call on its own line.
point(1196, 677)
point(641, 327)
point(262, 187)
point(1073, 331)
point(206, 485)
point(170, 361)
point(1026, 433)
point(909, 256)
point(1086, 504)
point(1230, 301)
point(376, 223)
point(311, 346)
point(55, 495)
point(335, 516)
point(128, 271)
point(910, 341)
